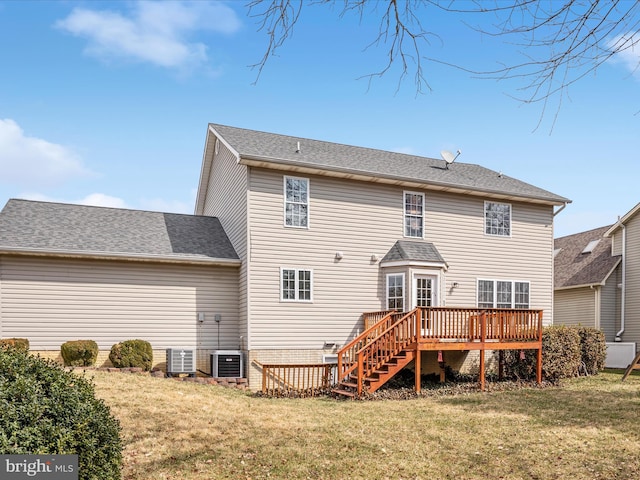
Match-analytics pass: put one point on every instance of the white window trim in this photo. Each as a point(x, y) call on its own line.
point(484, 220)
point(404, 288)
point(297, 291)
point(284, 202)
point(404, 212)
point(495, 290)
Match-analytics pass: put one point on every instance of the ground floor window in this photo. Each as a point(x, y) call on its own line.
point(395, 291)
point(503, 294)
point(296, 284)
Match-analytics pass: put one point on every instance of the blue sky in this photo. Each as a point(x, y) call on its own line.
point(107, 103)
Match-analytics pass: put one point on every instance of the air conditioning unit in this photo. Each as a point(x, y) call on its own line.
point(227, 363)
point(181, 360)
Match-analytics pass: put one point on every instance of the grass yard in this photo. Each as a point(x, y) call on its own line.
point(589, 428)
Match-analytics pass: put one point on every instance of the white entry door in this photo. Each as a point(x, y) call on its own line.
point(425, 290)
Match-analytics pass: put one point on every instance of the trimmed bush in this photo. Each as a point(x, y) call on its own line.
point(561, 356)
point(132, 353)
point(19, 343)
point(79, 353)
point(45, 410)
point(594, 349)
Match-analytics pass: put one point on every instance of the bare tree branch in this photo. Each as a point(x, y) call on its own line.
point(561, 41)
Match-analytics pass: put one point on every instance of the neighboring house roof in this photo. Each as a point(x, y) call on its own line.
point(573, 268)
point(413, 251)
point(43, 228)
point(630, 214)
point(325, 158)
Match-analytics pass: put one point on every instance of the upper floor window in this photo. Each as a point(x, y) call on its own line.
point(413, 214)
point(295, 284)
point(497, 219)
point(296, 202)
point(503, 294)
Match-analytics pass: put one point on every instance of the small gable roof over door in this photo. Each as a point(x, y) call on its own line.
point(407, 252)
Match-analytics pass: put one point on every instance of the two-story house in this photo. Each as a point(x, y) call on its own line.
point(320, 233)
point(597, 284)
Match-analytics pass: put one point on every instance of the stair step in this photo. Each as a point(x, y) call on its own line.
point(348, 383)
point(346, 393)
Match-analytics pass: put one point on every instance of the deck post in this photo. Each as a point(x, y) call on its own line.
point(360, 373)
point(482, 372)
point(418, 366)
point(483, 338)
point(500, 364)
point(539, 365)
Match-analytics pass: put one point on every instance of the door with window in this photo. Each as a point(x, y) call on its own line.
point(425, 291)
point(425, 294)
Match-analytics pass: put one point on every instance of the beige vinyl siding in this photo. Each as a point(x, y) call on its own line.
point(575, 306)
point(51, 301)
point(616, 242)
point(226, 198)
point(632, 296)
point(360, 219)
point(610, 305)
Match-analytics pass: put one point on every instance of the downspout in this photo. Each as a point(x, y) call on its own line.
point(624, 282)
point(560, 209)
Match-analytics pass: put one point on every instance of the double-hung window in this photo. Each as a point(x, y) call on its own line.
point(497, 219)
point(413, 214)
point(296, 202)
point(296, 285)
point(503, 294)
point(395, 291)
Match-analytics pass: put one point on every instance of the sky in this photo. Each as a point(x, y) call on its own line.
point(107, 103)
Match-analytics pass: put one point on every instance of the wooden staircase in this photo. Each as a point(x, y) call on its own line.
point(376, 355)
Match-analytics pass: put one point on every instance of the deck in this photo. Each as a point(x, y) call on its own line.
point(392, 340)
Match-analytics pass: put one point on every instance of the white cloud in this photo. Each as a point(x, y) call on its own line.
point(93, 199)
point(29, 160)
point(153, 32)
point(627, 49)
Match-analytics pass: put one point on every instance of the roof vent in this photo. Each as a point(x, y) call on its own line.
point(298, 148)
point(590, 246)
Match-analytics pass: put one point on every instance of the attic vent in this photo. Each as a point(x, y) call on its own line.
point(590, 246)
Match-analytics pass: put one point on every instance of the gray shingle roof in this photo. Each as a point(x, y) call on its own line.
point(574, 268)
point(409, 250)
point(55, 227)
point(329, 156)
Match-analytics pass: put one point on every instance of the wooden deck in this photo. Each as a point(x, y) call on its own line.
point(392, 340)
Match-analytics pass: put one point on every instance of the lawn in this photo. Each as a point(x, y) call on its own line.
point(589, 428)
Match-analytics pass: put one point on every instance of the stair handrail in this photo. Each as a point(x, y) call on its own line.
point(349, 351)
point(390, 342)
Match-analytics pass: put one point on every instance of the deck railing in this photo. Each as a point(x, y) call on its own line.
point(301, 380)
point(378, 323)
point(473, 324)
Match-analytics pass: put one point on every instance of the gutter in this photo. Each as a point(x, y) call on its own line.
point(135, 257)
point(624, 283)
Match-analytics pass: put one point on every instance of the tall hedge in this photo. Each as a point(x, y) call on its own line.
point(561, 356)
point(45, 410)
point(593, 348)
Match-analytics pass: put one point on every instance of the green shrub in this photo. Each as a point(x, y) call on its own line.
point(561, 356)
point(594, 349)
point(45, 410)
point(19, 343)
point(79, 353)
point(132, 353)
